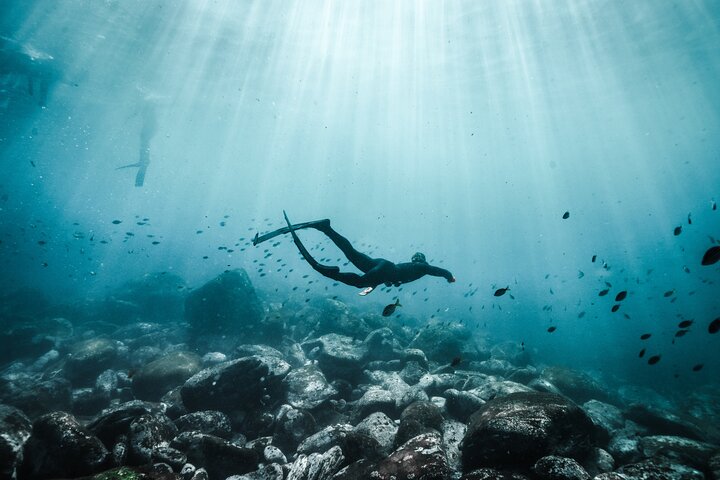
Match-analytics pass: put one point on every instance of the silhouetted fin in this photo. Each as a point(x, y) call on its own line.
point(140, 177)
point(303, 251)
point(129, 166)
point(281, 231)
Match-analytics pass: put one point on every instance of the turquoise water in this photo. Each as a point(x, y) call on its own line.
point(464, 130)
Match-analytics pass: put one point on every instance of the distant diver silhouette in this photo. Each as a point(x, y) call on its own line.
point(376, 271)
point(147, 132)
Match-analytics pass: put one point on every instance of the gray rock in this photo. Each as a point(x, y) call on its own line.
point(657, 469)
point(325, 439)
point(492, 474)
point(162, 375)
point(87, 401)
point(148, 433)
point(513, 352)
point(114, 422)
point(494, 387)
point(714, 467)
point(412, 372)
point(605, 416)
point(553, 467)
point(211, 359)
point(292, 426)
point(381, 428)
point(624, 449)
point(375, 400)
point(210, 422)
point(248, 350)
point(452, 434)
point(272, 454)
point(421, 458)
point(87, 359)
point(577, 385)
point(381, 344)
point(520, 428)
point(307, 387)
point(219, 457)
point(236, 385)
point(462, 404)
point(15, 429)
point(495, 366)
point(200, 474)
point(338, 356)
point(226, 305)
point(664, 422)
point(418, 418)
point(35, 398)
point(266, 472)
point(107, 382)
point(159, 296)
point(415, 355)
point(442, 343)
point(59, 447)
point(598, 461)
point(316, 466)
point(678, 449)
point(543, 385)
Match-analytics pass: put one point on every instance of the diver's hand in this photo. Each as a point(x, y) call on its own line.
point(451, 280)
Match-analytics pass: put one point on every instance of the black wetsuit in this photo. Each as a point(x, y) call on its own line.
point(376, 271)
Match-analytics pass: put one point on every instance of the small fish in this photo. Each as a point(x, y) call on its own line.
point(581, 274)
point(642, 353)
point(685, 324)
point(566, 215)
point(455, 361)
point(668, 293)
point(714, 205)
point(678, 230)
point(581, 314)
point(712, 255)
point(32, 163)
point(621, 296)
point(689, 219)
point(390, 309)
point(686, 269)
point(615, 308)
point(602, 293)
point(697, 367)
point(653, 360)
point(117, 222)
point(714, 326)
point(501, 291)
point(551, 329)
point(645, 336)
point(681, 333)
point(594, 257)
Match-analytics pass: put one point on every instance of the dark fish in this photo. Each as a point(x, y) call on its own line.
point(689, 219)
point(686, 269)
point(581, 314)
point(117, 222)
point(698, 367)
point(714, 326)
point(602, 293)
point(621, 296)
point(653, 360)
point(615, 308)
point(566, 215)
point(681, 333)
point(714, 205)
point(668, 293)
point(390, 309)
point(455, 361)
point(594, 257)
point(32, 163)
point(711, 256)
point(551, 329)
point(581, 274)
point(642, 353)
point(501, 291)
point(645, 336)
point(678, 230)
point(685, 324)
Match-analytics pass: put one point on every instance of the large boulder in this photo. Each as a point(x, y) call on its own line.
point(88, 358)
point(664, 422)
point(210, 422)
point(36, 398)
point(520, 428)
point(15, 428)
point(159, 296)
point(235, 385)
point(658, 469)
point(160, 376)
point(338, 356)
point(219, 457)
point(307, 387)
point(678, 449)
point(316, 466)
point(60, 447)
point(381, 344)
point(226, 305)
point(148, 436)
point(379, 427)
point(553, 467)
point(421, 458)
point(325, 439)
point(579, 386)
point(442, 343)
point(418, 418)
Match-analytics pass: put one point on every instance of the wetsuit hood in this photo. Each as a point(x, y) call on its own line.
point(418, 258)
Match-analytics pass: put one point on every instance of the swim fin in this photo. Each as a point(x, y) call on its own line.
point(303, 251)
point(281, 231)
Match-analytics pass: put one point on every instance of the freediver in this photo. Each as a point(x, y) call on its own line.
point(147, 132)
point(376, 271)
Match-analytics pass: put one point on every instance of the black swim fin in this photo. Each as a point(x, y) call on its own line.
point(303, 251)
point(281, 231)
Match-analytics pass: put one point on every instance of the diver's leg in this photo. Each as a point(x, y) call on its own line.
point(325, 270)
point(363, 262)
